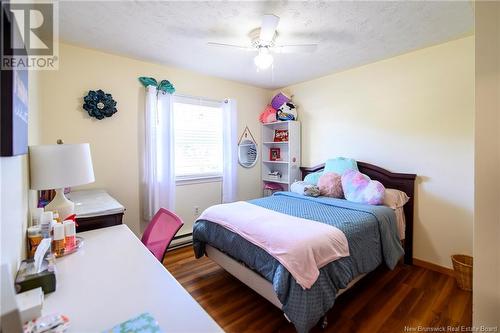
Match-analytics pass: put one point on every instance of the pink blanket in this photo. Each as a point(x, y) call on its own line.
point(301, 246)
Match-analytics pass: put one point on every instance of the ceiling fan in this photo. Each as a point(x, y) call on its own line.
point(263, 41)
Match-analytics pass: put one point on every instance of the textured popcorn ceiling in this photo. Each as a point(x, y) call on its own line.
point(349, 33)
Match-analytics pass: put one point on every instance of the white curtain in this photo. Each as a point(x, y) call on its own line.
point(158, 167)
point(230, 150)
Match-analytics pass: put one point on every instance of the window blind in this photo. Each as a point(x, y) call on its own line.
point(198, 138)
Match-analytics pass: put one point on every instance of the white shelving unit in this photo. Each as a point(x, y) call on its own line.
point(289, 163)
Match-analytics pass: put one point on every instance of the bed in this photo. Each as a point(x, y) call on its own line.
point(369, 231)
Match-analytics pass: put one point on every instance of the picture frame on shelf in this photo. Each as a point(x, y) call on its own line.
point(280, 135)
point(274, 154)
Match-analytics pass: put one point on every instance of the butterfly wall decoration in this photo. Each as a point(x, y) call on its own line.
point(164, 85)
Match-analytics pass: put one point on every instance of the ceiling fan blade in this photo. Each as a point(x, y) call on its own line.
point(300, 48)
point(239, 47)
point(268, 27)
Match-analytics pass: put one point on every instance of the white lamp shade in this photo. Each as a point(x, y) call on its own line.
point(59, 166)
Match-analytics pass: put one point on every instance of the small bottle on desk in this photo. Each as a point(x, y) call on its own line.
point(55, 213)
point(70, 234)
point(58, 240)
point(34, 239)
point(46, 223)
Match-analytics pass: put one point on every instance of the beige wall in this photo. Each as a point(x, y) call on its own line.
point(486, 296)
point(15, 197)
point(116, 142)
point(412, 113)
point(190, 196)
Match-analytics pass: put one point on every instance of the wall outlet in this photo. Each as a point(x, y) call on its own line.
point(196, 211)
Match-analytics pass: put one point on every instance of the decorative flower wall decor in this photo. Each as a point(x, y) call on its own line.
point(99, 104)
point(164, 85)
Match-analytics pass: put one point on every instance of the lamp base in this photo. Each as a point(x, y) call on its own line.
point(60, 203)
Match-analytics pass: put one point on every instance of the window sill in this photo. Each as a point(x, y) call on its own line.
point(197, 180)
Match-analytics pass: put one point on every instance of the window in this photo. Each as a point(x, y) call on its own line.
point(198, 138)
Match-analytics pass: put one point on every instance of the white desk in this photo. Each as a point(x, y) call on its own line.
point(114, 278)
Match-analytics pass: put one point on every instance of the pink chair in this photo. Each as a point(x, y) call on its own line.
point(160, 232)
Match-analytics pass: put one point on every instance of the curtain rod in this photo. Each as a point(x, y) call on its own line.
point(201, 98)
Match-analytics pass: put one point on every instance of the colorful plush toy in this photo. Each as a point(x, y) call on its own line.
point(287, 111)
point(268, 115)
point(330, 185)
point(360, 188)
point(280, 99)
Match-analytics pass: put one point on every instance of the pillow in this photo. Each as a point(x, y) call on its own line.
point(360, 188)
point(305, 189)
point(330, 185)
point(340, 165)
point(313, 178)
point(395, 198)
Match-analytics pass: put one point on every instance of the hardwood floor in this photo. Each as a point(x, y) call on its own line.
point(384, 301)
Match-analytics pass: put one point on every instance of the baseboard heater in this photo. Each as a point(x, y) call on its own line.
point(181, 241)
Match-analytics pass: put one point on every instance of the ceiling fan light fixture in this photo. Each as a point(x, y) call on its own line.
point(264, 59)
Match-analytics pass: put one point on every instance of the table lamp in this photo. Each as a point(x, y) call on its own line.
point(59, 166)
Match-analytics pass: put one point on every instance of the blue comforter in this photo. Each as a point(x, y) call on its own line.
point(371, 232)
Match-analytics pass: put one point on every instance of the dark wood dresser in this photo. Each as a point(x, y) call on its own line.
point(96, 209)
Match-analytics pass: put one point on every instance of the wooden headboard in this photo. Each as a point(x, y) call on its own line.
point(401, 181)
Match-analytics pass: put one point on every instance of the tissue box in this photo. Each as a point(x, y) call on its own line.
point(27, 279)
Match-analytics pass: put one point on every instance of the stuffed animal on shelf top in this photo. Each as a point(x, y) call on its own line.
point(280, 99)
point(287, 111)
point(268, 115)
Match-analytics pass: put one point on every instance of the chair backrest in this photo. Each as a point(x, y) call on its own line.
point(160, 232)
